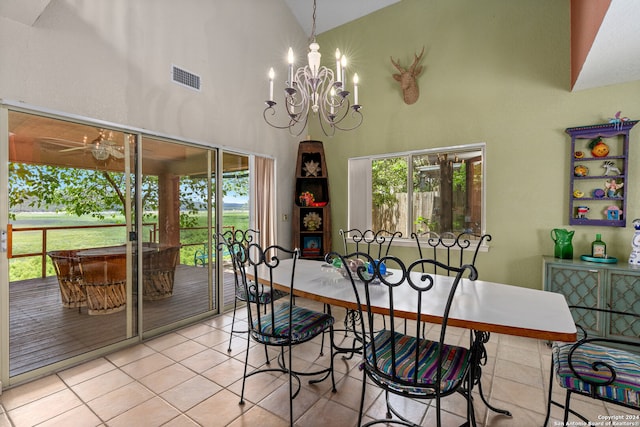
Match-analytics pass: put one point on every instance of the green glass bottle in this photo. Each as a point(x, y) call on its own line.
point(598, 248)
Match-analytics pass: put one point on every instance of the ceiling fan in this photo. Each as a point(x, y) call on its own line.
point(102, 147)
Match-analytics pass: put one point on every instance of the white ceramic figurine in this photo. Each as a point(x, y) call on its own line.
point(634, 257)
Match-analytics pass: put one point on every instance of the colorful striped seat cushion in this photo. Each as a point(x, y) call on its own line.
point(624, 389)
point(454, 367)
point(305, 325)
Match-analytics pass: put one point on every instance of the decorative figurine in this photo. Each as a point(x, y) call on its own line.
point(609, 166)
point(599, 148)
point(312, 168)
point(598, 193)
point(634, 256)
point(578, 154)
point(582, 211)
point(612, 187)
point(312, 221)
point(613, 213)
point(617, 120)
point(581, 170)
point(578, 194)
point(306, 199)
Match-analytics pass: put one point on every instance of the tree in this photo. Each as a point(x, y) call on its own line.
point(94, 192)
point(389, 177)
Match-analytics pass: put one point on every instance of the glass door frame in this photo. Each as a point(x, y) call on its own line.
point(134, 247)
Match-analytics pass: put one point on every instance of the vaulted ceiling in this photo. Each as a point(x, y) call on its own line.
point(604, 46)
point(605, 34)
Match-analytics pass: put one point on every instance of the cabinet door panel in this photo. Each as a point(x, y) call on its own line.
point(624, 296)
point(580, 287)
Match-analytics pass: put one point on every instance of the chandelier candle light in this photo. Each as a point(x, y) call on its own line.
point(315, 89)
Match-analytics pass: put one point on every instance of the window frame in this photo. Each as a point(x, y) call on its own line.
point(359, 186)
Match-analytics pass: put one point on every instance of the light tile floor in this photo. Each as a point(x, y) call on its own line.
point(187, 378)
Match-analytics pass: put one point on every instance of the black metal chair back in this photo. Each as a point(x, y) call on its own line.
point(232, 240)
point(236, 241)
point(373, 243)
point(261, 265)
point(402, 362)
point(449, 248)
point(278, 324)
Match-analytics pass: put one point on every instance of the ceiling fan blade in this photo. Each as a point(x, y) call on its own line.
point(116, 153)
point(66, 150)
point(61, 142)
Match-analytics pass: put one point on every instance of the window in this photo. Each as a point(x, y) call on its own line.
point(439, 190)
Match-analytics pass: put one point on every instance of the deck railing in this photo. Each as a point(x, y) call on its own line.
point(42, 253)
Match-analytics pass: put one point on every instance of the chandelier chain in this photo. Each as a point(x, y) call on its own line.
point(313, 26)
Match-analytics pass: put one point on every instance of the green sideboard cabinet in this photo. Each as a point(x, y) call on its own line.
point(609, 286)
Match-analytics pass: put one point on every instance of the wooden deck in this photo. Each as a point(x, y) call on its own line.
point(42, 331)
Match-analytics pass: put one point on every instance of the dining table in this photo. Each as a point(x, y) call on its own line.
point(480, 306)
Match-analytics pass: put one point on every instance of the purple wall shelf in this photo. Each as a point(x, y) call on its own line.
point(616, 136)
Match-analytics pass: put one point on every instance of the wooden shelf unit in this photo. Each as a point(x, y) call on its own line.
point(311, 178)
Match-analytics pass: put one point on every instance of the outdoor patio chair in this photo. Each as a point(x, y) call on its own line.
point(592, 367)
point(67, 266)
point(201, 256)
point(404, 363)
point(281, 324)
point(159, 268)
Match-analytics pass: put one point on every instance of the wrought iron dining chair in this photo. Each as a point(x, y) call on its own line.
point(227, 241)
point(449, 248)
point(279, 324)
point(592, 367)
point(376, 244)
point(404, 363)
point(456, 250)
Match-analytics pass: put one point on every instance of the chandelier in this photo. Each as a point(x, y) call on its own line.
point(315, 89)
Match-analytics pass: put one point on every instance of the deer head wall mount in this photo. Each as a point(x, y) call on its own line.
point(407, 79)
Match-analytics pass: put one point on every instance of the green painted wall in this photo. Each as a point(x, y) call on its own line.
point(495, 71)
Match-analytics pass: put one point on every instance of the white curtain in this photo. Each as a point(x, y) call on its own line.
point(359, 194)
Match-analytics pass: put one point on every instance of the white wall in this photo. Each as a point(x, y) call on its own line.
point(111, 59)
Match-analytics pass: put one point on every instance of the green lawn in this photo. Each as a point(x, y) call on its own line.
point(25, 242)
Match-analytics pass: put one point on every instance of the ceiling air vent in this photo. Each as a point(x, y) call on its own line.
point(185, 78)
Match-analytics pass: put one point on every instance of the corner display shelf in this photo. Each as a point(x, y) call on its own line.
point(311, 208)
point(598, 185)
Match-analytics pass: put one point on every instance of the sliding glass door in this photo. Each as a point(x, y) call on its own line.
point(108, 237)
point(71, 290)
point(177, 194)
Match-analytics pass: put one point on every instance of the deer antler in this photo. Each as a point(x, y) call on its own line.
point(415, 62)
point(396, 64)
